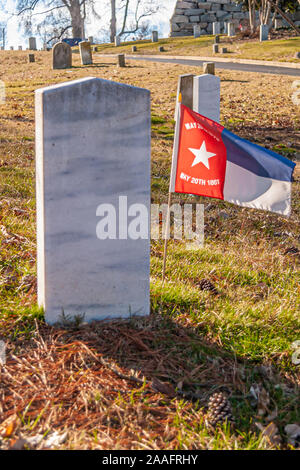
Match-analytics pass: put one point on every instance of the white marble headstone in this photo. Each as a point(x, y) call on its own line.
point(263, 32)
point(92, 159)
point(32, 44)
point(216, 28)
point(206, 96)
point(197, 30)
point(230, 29)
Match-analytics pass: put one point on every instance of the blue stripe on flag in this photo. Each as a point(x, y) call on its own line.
point(258, 160)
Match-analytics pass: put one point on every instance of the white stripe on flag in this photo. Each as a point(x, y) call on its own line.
point(244, 188)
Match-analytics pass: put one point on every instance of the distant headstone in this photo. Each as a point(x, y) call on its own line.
point(2, 48)
point(263, 32)
point(154, 36)
point(185, 91)
point(197, 31)
point(278, 23)
point(230, 29)
point(95, 49)
point(11, 48)
point(61, 56)
point(117, 41)
point(31, 58)
point(121, 60)
point(224, 50)
point(216, 28)
point(93, 199)
point(217, 39)
point(20, 48)
point(209, 67)
point(91, 39)
point(85, 53)
point(32, 44)
point(134, 48)
point(207, 96)
point(161, 49)
point(215, 48)
point(297, 55)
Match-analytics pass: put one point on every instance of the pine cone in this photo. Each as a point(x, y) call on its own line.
point(206, 285)
point(219, 410)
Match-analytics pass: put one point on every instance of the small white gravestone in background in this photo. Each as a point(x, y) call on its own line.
point(32, 44)
point(154, 36)
point(230, 29)
point(263, 32)
point(216, 28)
point(85, 53)
point(20, 48)
point(2, 353)
point(197, 31)
point(2, 92)
point(93, 199)
point(207, 96)
point(117, 41)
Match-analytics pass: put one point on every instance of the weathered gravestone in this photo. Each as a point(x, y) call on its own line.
point(85, 53)
point(154, 36)
point(209, 67)
point(32, 44)
point(134, 48)
point(61, 56)
point(31, 58)
point(216, 28)
point(93, 199)
point(121, 60)
point(185, 91)
point(215, 48)
point(230, 29)
point(207, 96)
point(20, 48)
point(197, 31)
point(224, 50)
point(263, 32)
point(11, 48)
point(91, 39)
point(117, 41)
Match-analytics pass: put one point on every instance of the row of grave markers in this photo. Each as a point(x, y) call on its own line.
point(93, 146)
point(229, 29)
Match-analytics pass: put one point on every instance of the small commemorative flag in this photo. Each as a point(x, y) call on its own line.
point(208, 160)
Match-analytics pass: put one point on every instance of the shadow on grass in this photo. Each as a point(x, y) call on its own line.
point(157, 364)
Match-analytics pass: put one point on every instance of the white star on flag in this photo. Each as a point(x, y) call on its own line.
point(202, 155)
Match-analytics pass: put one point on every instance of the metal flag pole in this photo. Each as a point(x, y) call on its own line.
point(172, 184)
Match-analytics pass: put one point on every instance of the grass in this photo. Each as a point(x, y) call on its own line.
point(145, 383)
point(282, 50)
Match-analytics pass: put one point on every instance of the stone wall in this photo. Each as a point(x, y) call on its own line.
point(189, 13)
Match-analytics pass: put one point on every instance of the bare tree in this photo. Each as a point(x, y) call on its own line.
point(132, 15)
point(59, 15)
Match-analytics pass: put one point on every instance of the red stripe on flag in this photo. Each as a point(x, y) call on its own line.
point(201, 158)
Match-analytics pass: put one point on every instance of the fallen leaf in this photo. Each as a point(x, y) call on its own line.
point(293, 434)
point(18, 444)
point(271, 433)
point(8, 426)
point(163, 387)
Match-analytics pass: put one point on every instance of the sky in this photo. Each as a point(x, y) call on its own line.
point(15, 38)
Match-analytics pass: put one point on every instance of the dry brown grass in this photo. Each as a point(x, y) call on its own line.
point(145, 383)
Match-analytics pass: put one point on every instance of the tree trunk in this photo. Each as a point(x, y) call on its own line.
point(113, 22)
point(77, 19)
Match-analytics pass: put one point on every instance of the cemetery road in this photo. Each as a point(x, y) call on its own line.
point(227, 65)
